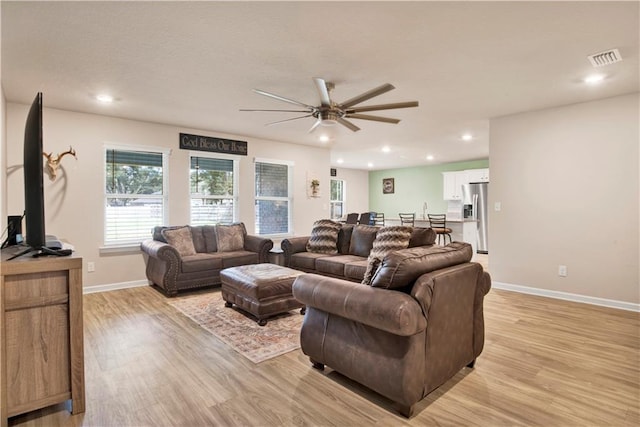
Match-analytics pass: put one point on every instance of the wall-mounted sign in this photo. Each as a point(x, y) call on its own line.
point(215, 145)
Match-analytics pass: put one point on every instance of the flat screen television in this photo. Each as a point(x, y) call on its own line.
point(35, 237)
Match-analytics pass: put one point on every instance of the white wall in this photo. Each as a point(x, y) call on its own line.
point(356, 189)
point(567, 180)
point(75, 201)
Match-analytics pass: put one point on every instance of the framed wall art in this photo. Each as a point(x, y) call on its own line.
point(388, 186)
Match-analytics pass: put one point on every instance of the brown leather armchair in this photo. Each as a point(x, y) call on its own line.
point(414, 328)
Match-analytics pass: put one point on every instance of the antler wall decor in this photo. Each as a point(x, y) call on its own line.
point(54, 161)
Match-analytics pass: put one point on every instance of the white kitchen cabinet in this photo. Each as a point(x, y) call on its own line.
point(478, 175)
point(452, 184)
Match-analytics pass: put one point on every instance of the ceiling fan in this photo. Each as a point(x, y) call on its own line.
point(330, 112)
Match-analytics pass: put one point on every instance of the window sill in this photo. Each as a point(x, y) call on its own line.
point(129, 248)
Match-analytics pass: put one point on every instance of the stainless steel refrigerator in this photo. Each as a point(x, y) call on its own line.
point(475, 201)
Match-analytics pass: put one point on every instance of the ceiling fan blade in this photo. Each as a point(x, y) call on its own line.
point(373, 118)
point(315, 125)
point(367, 95)
point(321, 85)
point(383, 107)
point(348, 124)
point(282, 98)
point(280, 111)
point(288, 120)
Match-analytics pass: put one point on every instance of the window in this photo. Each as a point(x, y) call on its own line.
point(213, 191)
point(337, 198)
point(273, 197)
point(135, 194)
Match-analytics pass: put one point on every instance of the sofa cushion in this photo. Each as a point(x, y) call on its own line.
point(388, 239)
point(236, 258)
point(181, 239)
point(230, 238)
point(335, 265)
point(344, 238)
point(324, 237)
point(362, 239)
point(355, 270)
point(209, 234)
point(401, 268)
point(198, 239)
point(421, 236)
point(201, 262)
point(305, 260)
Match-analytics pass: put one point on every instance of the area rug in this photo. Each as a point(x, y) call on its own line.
point(240, 331)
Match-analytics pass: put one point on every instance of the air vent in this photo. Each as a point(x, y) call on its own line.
point(605, 58)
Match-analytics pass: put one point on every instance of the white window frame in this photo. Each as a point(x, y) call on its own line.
point(344, 197)
point(289, 199)
point(110, 246)
point(236, 181)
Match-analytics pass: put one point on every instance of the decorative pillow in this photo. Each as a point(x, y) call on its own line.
point(388, 239)
point(324, 237)
point(362, 240)
point(230, 237)
point(181, 239)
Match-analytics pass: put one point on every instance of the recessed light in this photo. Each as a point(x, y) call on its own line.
point(340, 161)
point(324, 138)
point(429, 157)
point(104, 98)
point(370, 165)
point(386, 149)
point(467, 137)
point(594, 79)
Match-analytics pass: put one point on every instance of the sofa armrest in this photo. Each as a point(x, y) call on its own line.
point(259, 245)
point(388, 310)
point(293, 245)
point(163, 264)
point(458, 292)
point(157, 249)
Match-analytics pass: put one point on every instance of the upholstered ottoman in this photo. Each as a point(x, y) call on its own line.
point(263, 290)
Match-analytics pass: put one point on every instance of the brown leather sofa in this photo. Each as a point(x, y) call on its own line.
point(414, 328)
point(171, 272)
point(354, 244)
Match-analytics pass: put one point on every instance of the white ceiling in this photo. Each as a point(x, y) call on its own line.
point(193, 64)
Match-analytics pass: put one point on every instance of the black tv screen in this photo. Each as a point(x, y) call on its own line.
point(35, 236)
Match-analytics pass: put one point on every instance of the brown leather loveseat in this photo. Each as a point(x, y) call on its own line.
point(417, 324)
point(182, 258)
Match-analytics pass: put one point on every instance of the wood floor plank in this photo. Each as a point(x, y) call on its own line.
point(545, 363)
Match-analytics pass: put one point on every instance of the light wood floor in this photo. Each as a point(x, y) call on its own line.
point(545, 363)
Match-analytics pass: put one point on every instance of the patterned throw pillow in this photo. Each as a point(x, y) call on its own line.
point(324, 237)
point(388, 239)
point(181, 239)
point(230, 237)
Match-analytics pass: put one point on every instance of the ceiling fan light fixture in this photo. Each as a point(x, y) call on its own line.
point(330, 113)
point(329, 118)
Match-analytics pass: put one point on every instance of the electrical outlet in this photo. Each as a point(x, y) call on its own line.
point(91, 267)
point(562, 270)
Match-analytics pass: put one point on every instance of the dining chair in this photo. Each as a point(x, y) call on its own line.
point(352, 218)
point(407, 219)
point(365, 218)
point(378, 219)
point(438, 222)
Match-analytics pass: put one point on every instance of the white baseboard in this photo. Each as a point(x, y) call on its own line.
point(621, 305)
point(114, 286)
